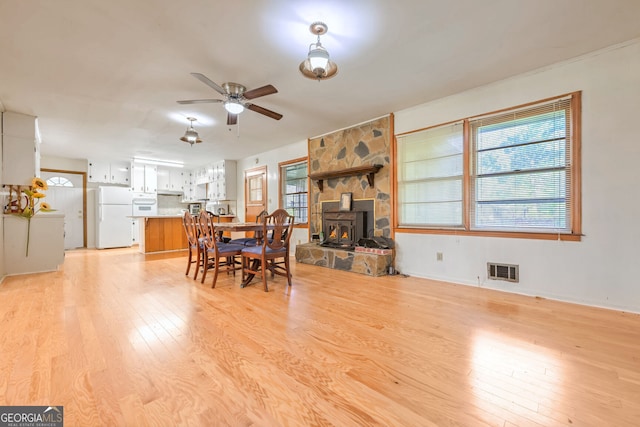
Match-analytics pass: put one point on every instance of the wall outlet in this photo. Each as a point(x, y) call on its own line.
point(439, 256)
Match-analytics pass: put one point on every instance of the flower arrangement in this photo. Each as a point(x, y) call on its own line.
point(27, 202)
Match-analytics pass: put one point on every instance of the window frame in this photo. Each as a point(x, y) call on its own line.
point(575, 186)
point(283, 165)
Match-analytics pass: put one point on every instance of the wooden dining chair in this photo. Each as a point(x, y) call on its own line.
point(258, 259)
point(216, 253)
point(195, 247)
point(257, 235)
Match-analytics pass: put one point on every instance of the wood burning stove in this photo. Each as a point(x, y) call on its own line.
point(343, 229)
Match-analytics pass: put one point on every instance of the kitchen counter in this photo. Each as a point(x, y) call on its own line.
point(161, 233)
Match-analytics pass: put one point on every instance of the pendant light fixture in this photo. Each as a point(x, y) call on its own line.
point(191, 136)
point(318, 65)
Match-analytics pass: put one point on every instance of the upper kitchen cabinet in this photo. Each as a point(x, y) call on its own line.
point(144, 178)
point(223, 184)
point(203, 175)
point(194, 192)
point(110, 172)
point(20, 153)
point(171, 180)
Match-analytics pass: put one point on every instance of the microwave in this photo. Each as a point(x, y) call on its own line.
point(194, 208)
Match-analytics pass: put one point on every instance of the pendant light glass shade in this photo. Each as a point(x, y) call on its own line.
point(318, 59)
point(191, 136)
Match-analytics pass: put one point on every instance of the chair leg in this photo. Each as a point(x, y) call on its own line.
point(286, 266)
point(198, 262)
point(216, 267)
point(205, 262)
point(264, 274)
point(189, 262)
point(231, 264)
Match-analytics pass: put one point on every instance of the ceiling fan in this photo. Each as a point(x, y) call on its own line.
point(235, 99)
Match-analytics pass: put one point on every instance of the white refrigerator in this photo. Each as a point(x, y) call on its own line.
point(113, 222)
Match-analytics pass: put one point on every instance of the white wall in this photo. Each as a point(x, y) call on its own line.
point(603, 268)
point(63, 163)
point(271, 160)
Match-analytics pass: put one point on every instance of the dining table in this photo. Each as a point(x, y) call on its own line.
point(221, 227)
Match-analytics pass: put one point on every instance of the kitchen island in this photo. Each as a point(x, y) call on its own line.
point(161, 233)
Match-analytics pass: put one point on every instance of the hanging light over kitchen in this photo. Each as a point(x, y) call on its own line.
point(191, 136)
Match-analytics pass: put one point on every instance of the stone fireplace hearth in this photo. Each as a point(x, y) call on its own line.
point(347, 260)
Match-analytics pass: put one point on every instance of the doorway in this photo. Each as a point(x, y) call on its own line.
point(255, 192)
point(67, 195)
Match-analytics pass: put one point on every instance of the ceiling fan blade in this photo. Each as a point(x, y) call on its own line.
point(261, 91)
point(261, 110)
point(200, 101)
point(232, 119)
point(204, 79)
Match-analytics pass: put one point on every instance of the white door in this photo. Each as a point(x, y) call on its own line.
point(65, 196)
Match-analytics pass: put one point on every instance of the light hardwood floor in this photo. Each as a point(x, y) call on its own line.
point(123, 339)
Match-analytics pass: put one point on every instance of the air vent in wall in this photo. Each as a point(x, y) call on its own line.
point(507, 272)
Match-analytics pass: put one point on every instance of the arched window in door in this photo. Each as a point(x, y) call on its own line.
point(59, 181)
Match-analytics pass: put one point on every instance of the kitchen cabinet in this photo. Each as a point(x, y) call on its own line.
point(186, 180)
point(223, 183)
point(135, 231)
point(204, 174)
point(163, 179)
point(109, 172)
point(170, 179)
point(144, 178)
point(215, 181)
point(191, 191)
point(196, 192)
point(20, 151)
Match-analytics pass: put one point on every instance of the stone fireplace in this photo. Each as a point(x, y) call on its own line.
point(356, 160)
point(365, 147)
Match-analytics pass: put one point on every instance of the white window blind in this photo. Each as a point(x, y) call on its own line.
point(430, 177)
point(521, 169)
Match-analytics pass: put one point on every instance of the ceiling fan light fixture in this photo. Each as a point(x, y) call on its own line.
point(233, 107)
point(318, 65)
point(191, 136)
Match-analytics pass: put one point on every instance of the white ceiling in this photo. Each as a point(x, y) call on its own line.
point(104, 76)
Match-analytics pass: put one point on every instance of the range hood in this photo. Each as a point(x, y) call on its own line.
point(170, 193)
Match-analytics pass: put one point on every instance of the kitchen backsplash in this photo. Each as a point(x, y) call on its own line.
point(170, 204)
